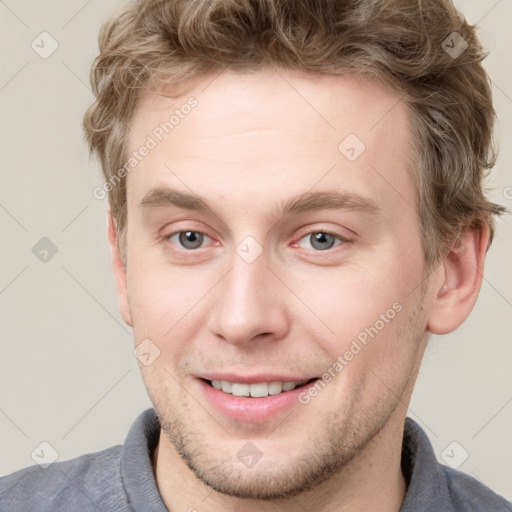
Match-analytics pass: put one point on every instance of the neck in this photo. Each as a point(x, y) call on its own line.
point(371, 481)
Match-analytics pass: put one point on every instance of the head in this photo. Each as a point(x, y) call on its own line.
point(316, 208)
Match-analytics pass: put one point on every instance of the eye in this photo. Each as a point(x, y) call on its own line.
point(322, 240)
point(188, 239)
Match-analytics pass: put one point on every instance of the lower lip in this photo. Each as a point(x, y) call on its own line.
point(252, 410)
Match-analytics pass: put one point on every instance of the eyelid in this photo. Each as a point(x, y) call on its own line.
point(184, 230)
point(182, 225)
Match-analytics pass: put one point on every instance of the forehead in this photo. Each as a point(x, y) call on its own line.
point(283, 128)
point(284, 100)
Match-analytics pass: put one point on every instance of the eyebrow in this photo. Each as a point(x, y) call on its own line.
point(163, 197)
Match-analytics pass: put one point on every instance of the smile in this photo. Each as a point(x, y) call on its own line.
point(256, 390)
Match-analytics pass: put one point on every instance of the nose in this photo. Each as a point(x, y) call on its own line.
point(249, 304)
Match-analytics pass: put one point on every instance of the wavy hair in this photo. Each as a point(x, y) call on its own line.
point(401, 44)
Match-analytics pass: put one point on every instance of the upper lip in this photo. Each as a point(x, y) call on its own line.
point(256, 378)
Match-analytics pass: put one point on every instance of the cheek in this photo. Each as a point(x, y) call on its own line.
point(346, 301)
point(164, 301)
point(151, 298)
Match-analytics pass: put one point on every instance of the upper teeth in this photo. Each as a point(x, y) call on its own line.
point(260, 389)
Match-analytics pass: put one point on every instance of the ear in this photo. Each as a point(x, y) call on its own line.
point(460, 280)
point(119, 271)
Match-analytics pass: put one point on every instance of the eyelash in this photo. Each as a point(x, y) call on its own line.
point(342, 239)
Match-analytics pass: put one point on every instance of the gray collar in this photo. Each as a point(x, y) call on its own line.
point(431, 487)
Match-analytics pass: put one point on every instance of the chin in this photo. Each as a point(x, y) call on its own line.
point(269, 480)
point(275, 475)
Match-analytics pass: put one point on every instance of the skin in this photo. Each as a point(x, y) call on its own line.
point(252, 143)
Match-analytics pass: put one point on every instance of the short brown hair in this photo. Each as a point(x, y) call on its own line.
point(400, 43)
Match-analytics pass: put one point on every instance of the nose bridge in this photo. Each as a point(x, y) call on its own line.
point(246, 303)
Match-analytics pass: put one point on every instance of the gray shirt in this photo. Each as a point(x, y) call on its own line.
point(121, 478)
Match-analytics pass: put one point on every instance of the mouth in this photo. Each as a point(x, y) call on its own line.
point(257, 389)
point(253, 399)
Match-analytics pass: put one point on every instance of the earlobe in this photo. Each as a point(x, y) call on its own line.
point(119, 271)
point(462, 277)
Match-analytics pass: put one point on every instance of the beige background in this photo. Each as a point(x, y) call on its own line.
point(68, 375)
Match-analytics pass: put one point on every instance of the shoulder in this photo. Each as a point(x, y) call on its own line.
point(90, 482)
point(468, 494)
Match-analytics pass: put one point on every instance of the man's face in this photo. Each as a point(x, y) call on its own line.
point(253, 292)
